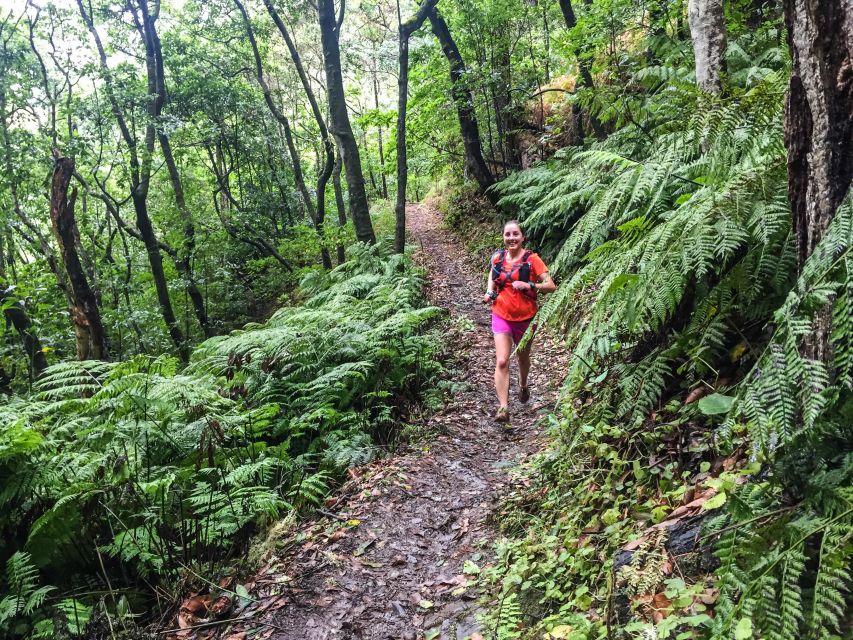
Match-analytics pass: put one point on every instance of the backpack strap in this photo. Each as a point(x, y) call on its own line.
point(498, 259)
point(525, 267)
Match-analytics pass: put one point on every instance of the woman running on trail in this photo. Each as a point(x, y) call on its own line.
point(516, 275)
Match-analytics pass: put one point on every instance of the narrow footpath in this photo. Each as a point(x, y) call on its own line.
point(388, 558)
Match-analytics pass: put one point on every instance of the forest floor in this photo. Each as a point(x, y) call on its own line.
point(396, 554)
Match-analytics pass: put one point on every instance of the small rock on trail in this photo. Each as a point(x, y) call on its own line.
point(389, 558)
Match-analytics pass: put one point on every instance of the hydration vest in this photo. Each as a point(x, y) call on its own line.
point(519, 271)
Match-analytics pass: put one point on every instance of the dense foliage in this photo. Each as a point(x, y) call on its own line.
point(169, 178)
point(143, 471)
point(675, 246)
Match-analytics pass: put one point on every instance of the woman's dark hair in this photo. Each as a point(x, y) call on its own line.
point(517, 224)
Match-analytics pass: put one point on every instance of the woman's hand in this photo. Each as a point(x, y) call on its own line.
point(519, 285)
point(487, 298)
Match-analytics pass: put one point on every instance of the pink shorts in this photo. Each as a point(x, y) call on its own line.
point(515, 329)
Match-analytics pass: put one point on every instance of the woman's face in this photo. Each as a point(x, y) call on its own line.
point(513, 238)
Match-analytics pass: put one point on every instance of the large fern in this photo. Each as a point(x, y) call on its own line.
point(161, 468)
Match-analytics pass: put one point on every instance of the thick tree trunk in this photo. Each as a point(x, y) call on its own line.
point(475, 165)
point(340, 124)
point(818, 127)
point(85, 311)
point(708, 32)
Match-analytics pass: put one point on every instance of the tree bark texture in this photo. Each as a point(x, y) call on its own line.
point(708, 32)
point(85, 311)
point(818, 129)
point(475, 165)
point(819, 115)
point(340, 123)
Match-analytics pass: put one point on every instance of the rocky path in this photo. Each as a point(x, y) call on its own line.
point(388, 560)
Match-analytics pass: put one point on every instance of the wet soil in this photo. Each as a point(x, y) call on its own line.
point(388, 557)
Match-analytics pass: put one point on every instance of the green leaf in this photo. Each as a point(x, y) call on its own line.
point(716, 502)
point(716, 404)
point(743, 630)
point(469, 568)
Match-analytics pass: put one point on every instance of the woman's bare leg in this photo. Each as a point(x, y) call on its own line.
point(524, 362)
point(503, 347)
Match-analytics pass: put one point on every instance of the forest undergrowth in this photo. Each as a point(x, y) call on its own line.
point(124, 482)
point(699, 478)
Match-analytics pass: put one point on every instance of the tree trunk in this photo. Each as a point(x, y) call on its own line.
point(325, 171)
point(316, 214)
point(85, 312)
point(708, 32)
point(340, 205)
point(340, 124)
point(586, 75)
point(402, 164)
point(405, 29)
point(818, 128)
point(140, 173)
point(379, 132)
point(184, 261)
point(15, 315)
point(475, 165)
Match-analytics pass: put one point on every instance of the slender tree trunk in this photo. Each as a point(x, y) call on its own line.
point(340, 123)
point(402, 164)
point(708, 32)
point(184, 261)
point(475, 165)
point(318, 214)
point(379, 132)
point(340, 205)
point(140, 170)
point(585, 73)
point(405, 30)
point(15, 315)
point(325, 171)
point(85, 311)
point(818, 128)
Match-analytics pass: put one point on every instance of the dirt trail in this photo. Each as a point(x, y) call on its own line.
point(398, 571)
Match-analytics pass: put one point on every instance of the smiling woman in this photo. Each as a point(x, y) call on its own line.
point(516, 276)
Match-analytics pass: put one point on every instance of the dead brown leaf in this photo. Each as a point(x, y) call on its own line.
point(221, 606)
point(660, 607)
point(697, 394)
point(634, 544)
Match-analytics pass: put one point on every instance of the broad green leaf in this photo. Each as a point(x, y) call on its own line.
point(715, 404)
